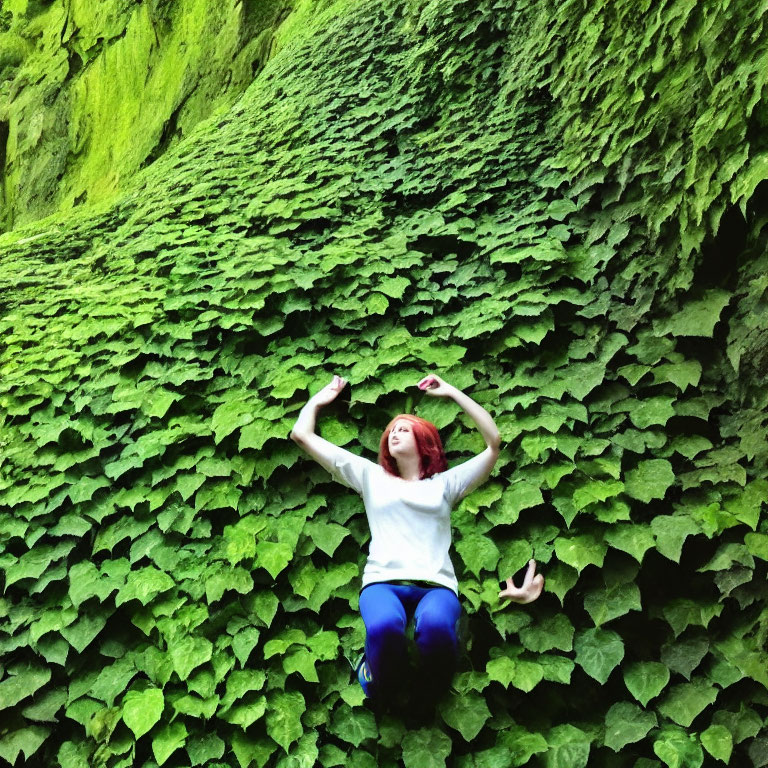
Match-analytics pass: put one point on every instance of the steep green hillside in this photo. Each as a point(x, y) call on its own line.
point(92, 92)
point(560, 208)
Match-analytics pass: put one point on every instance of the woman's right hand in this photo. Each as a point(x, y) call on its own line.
point(329, 392)
point(531, 589)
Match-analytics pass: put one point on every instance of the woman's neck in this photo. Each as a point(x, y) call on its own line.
point(409, 467)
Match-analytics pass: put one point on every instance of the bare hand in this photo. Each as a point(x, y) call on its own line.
point(531, 589)
point(435, 386)
point(330, 391)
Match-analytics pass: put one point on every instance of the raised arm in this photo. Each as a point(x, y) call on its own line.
point(464, 478)
point(303, 432)
point(435, 386)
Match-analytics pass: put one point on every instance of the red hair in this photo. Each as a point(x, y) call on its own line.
point(428, 444)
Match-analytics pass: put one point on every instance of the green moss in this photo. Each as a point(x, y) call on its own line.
point(74, 109)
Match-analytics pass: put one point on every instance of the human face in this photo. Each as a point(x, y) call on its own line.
point(402, 441)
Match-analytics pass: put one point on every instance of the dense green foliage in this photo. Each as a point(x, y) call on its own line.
point(559, 208)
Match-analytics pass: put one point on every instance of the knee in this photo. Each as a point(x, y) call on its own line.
point(386, 629)
point(437, 633)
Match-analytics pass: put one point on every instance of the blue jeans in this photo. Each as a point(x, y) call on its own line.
point(386, 608)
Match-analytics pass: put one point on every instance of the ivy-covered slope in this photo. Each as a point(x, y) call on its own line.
point(558, 206)
point(90, 92)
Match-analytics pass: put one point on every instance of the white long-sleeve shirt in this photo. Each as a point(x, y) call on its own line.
point(410, 520)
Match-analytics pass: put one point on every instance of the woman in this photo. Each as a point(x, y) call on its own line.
point(408, 498)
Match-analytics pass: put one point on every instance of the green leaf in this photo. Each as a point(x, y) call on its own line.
point(168, 739)
point(650, 480)
point(27, 740)
point(244, 642)
point(682, 375)
point(535, 331)
point(30, 565)
point(393, 286)
point(553, 632)
point(46, 706)
point(747, 505)
point(655, 410)
point(557, 669)
point(189, 652)
point(52, 620)
point(683, 656)
point(625, 724)
point(726, 555)
point(484, 496)
point(326, 536)
point(634, 539)
point(157, 402)
point(232, 415)
point(74, 754)
point(22, 681)
point(581, 550)
point(515, 746)
point(684, 702)
point(85, 487)
point(324, 645)
point(304, 754)
point(202, 748)
point(255, 433)
point(264, 604)
point(281, 642)
point(53, 648)
point(376, 303)
point(82, 633)
point(677, 749)
point(517, 497)
point(609, 603)
point(582, 378)
point(250, 751)
point(561, 579)
point(682, 613)
point(353, 726)
point(426, 748)
point(220, 578)
point(671, 531)
point(508, 622)
point(141, 710)
point(690, 445)
point(466, 714)
point(143, 585)
point(598, 652)
point(284, 717)
point(559, 209)
point(337, 432)
point(273, 556)
point(240, 544)
point(646, 679)
point(241, 682)
point(695, 318)
point(245, 713)
point(520, 673)
point(301, 660)
point(479, 553)
point(593, 491)
point(757, 545)
point(742, 725)
point(717, 740)
point(568, 747)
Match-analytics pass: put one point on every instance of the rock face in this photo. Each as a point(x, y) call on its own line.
point(558, 206)
point(94, 91)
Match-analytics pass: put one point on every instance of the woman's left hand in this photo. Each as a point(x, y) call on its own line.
point(435, 386)
point(531, 589)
